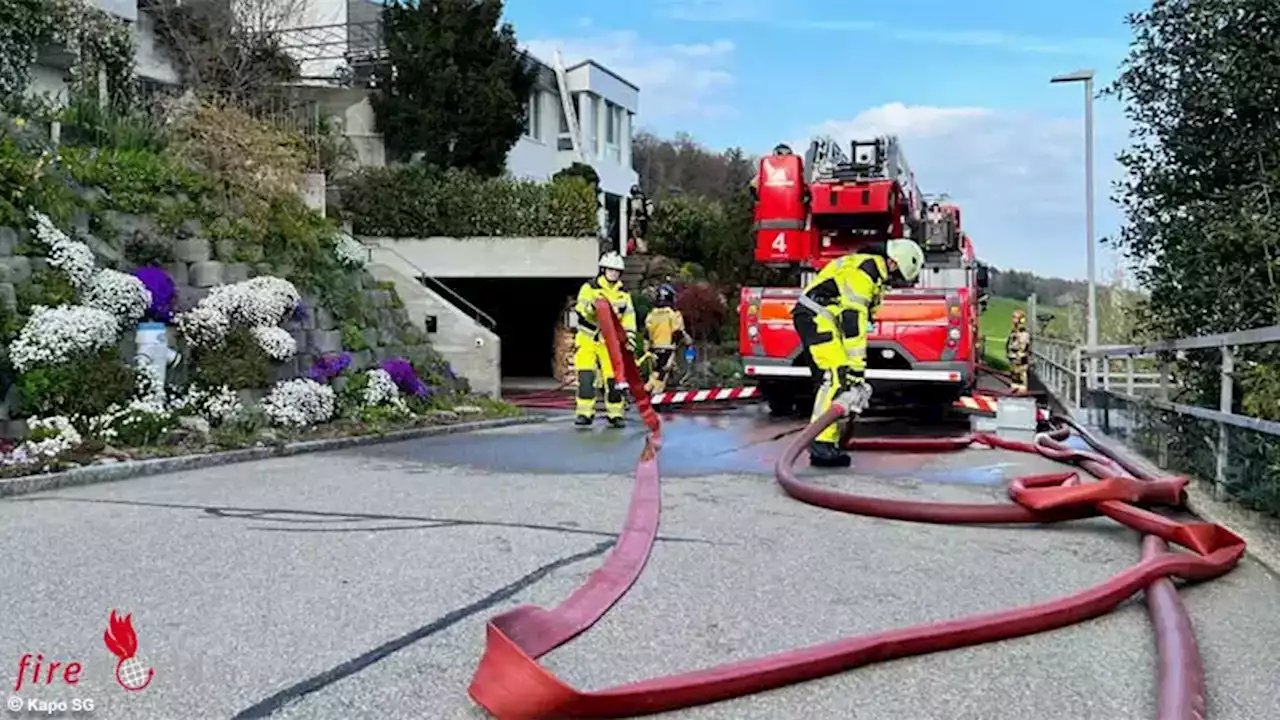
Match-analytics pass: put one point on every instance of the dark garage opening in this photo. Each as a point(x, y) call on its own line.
point(526, 312)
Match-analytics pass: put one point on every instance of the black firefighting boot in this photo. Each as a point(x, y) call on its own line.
point(826, 454)
point(583, 420)
point(617, 422)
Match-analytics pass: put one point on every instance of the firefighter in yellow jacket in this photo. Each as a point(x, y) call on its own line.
point(664, 325)
point(831, 318)
point(591, 356)
point(1017, 349)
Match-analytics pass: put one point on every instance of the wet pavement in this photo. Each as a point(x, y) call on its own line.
point(356, 584)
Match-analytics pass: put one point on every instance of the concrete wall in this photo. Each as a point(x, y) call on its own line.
point(592, 77)
point(473, 350)
point(124, 9)
point(534, 156)
point(537, 257)
point(153, 59)
point(200, 265)
point(49, 81)
point(328, 39)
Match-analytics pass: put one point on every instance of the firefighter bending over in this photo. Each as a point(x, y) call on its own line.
point(831, 318)
point(591, 355)
point(664, 325)
point(1018, 349)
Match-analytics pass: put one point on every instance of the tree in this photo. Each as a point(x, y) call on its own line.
point(456, 86)
point(579, 170)
point(229, 48)
point(683, 166)
point(1200, 88)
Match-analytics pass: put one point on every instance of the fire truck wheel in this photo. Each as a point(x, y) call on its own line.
point(780, 398)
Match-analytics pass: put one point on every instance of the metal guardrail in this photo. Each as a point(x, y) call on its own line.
point(1060, 365)
point(1065, 370)
point(463, 304)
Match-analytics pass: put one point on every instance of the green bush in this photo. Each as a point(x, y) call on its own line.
point(422, 201)
point(270, 225)
point(135, 181)
point(84, 387)
point(28, 175)
point(239, 363)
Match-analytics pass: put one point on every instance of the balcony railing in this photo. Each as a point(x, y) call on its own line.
point(341, 54)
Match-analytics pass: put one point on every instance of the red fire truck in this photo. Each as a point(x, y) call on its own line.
point(924, 343)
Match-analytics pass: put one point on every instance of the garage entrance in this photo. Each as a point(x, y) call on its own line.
point(526, 312)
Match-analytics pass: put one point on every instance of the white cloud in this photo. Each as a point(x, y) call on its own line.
point(1018, 176)
point(674, 80)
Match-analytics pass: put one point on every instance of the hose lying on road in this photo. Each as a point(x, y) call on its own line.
point(511, 685)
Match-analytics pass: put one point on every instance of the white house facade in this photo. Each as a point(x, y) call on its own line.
point(604, 106)
point(332, 34)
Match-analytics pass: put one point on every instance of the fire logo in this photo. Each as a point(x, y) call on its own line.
point(122, 641)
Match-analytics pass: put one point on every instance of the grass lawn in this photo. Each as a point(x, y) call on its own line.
point(998, 318)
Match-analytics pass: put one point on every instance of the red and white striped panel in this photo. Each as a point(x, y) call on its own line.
point(709, 395)
point(977, 404)
point(987, 405)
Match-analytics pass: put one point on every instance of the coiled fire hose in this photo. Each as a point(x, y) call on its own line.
point(511, 685)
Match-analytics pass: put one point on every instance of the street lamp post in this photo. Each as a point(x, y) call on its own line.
point(1086, 77)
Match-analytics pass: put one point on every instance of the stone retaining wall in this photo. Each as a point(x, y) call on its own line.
point(199, 265)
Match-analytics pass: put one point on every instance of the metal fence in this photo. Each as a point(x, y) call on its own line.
point(1065, 372)
point(1139, 394)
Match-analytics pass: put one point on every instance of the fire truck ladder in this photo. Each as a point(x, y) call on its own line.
point(824, 156)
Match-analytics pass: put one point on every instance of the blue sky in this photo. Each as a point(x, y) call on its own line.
point(965, 85)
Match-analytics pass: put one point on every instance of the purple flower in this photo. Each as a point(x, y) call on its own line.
point(402, 373)
point(162, 291)
point(328, 367)
point(300, 311)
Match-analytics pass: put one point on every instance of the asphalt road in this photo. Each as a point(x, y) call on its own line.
point(356, 584)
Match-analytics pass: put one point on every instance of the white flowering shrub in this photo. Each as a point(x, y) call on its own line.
point(72, 257)
point(120, 294)
point(276, 342)
point(55, 335)
point(149, 384)
point(204, 326)
point(138, 423)
point(262, 300)
point(300, 402)
point(350, 252)
point(49, 439)
point(381, 391)
point(217, 405)
point(259, 302)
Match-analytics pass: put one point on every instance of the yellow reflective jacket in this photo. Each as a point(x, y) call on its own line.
point(854, 282)
point(585, 308)
point(663, 325)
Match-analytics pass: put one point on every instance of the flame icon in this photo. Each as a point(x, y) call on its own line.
point(122, 641)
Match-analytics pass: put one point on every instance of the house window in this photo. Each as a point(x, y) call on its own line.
point(533, 123)
point(613, 132)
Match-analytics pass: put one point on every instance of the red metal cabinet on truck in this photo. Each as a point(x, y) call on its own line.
point(782, 214)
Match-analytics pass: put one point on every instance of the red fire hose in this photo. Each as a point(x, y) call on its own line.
point(511, 685)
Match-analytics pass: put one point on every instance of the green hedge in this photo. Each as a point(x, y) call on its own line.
point(422, 201)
